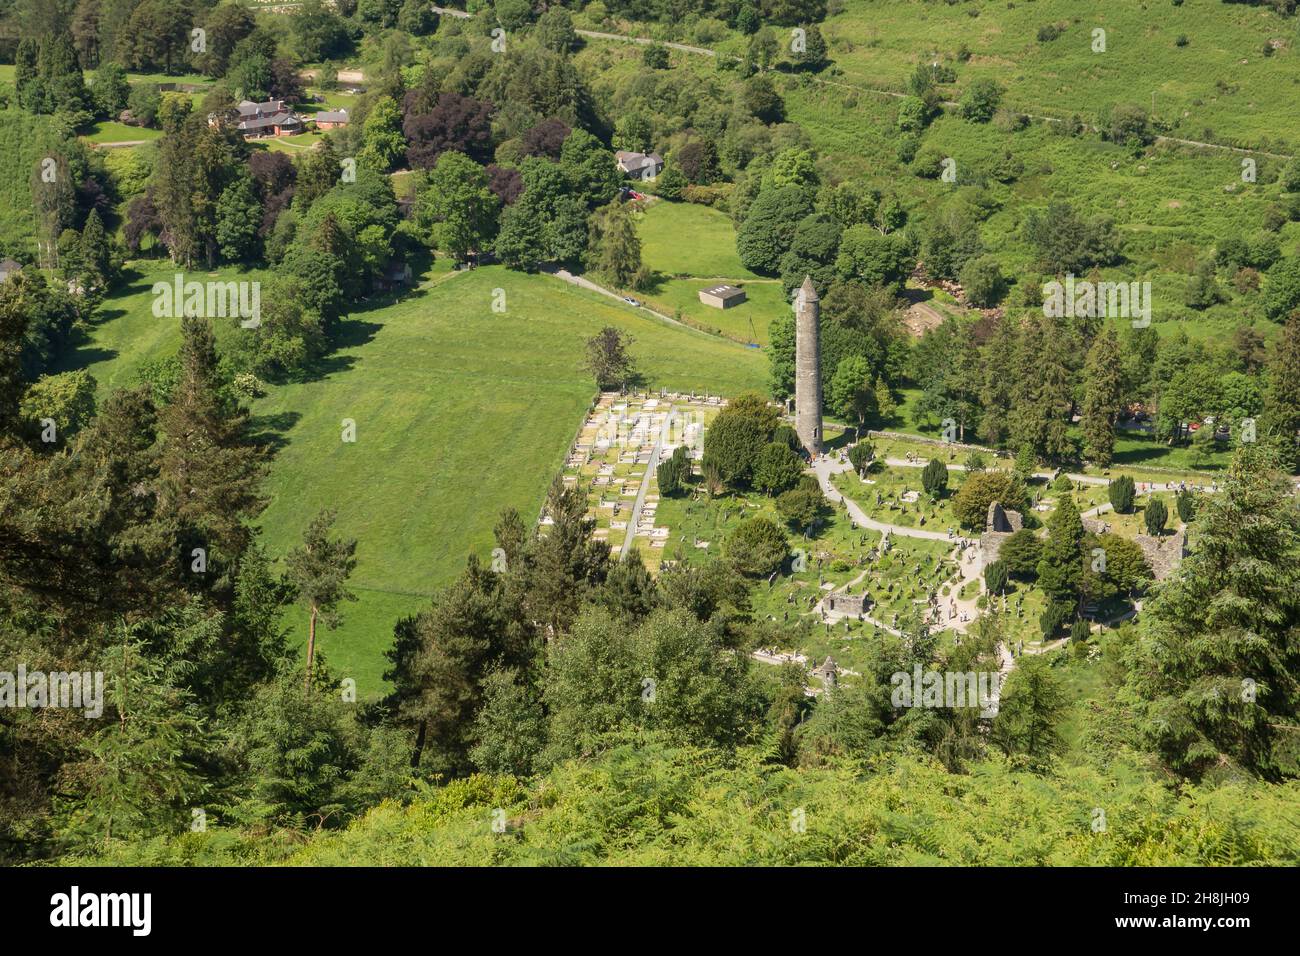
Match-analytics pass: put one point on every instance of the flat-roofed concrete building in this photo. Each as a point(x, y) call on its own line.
point(722, 296)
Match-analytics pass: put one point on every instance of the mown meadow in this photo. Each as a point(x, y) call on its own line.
point(460, 412)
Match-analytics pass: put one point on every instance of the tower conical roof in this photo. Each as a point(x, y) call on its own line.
point(806, 291)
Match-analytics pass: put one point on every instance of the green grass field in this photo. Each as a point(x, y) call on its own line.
point(460, 412)
point(125, 333)
point(683, 239)
point(691, 247)
point(112, 132)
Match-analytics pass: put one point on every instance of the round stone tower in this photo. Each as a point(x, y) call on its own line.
point(808, 368)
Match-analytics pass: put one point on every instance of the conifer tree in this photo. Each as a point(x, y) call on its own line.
point(1041, 390)
point(1280, 419)
point(140, 773)
point(95, 254)
point(616, 248)
point(1217, 667)
point(1102, 397)
point(1154, 516)
point(209, 471)
point(1029, 713)
point(469, 631)
point(566, 562)
point(995, 395)
point(1060, 569)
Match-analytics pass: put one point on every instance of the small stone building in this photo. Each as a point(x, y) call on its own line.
point(827, 673)
point(844, 603)
point(1001, 524)
point(1163, 553)
point(722, 296)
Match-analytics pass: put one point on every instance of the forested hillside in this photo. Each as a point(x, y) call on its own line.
point(400, 442)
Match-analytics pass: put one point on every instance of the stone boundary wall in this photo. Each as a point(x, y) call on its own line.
point(937, 442)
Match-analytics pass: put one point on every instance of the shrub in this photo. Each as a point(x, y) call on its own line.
point(671, 183)
point(934, 478)
point(674, 473)
point(1026, 462)
point(739, 433)
point(655, 57)
point(1054, 618)
point(777, 468)
point(1021, 553)
point(802, 507)
point(913, 115)
point(1155, 515)
point(861, 455)
point(1120, 492)
point(983, 282)
point(1290, 178)
point(1186, 505)
point(981, 101)
point(977, 492)
point(786, 435)
point(995, 577)
point(1079, 631)
point(757, 547)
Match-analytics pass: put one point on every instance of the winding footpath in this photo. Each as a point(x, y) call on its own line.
point(826, 467)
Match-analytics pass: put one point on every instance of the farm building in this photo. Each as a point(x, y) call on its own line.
point(639, 165)
point(722, 296)
point(331, 119)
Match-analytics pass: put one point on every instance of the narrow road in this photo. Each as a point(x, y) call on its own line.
point(584, 283)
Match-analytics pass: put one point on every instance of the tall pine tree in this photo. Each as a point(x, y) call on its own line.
point(1280, 420)
point(209, 470)
point(1216, 667)
point(1102, 398)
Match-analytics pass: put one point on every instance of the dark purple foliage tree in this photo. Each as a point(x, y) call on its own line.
point(546, 138)
point(456, 122)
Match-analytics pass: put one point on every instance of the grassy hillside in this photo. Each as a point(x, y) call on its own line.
point(460, 412)
point(1219, 85)
point(1219, 81)
point(1170, 206)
